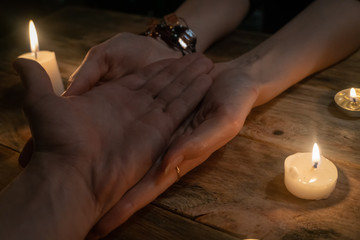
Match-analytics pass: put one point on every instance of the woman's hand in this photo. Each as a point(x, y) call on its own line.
point(219, 118)
point(120, 55)
point(115, 130)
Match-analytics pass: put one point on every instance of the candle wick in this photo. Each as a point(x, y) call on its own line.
point(316, 164)
point(36, 51)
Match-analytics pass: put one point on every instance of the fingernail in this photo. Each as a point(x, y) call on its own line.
point(174, 163)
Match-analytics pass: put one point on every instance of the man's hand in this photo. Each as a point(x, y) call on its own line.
point(115, 130)
point(112, 59)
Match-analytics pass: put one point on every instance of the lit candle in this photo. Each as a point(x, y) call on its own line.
point(310, 175)
point(353, 95)
point(46, 59)
point(349, 101)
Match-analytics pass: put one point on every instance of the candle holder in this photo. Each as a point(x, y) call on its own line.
point(349, 103)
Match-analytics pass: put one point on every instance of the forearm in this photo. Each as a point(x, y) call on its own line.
point(323, 34)
point(212, 19)
point(46, 202)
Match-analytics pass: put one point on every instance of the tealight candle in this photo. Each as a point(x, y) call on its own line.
point(310, 175)
point(349, 101)
point(46, 59)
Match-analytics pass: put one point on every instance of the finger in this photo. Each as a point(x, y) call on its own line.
point(26, 153)
point(200, 66)
point(189, 98)
point(209, 136)
point(91, 70)
point(35, 79)
point(144, 74)
point(174, 112)
point(171, 73)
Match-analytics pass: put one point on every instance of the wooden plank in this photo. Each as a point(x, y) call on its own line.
point(9, 167)
point(81, 28)
point(240, 189)
point(70, 32)
point(155, 223)
point(14, 129)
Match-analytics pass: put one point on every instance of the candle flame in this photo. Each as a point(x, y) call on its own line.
point(353, 94)
point(34, 43)
point(316, 156)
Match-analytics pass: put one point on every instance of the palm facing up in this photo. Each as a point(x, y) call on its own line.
point(114, 132)
point(121, 55)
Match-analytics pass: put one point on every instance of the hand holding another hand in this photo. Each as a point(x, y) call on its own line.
point(121, 55)
point(218, 119)
point(112, 134)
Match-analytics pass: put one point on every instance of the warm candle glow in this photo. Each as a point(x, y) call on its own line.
point(315, 156)
point(46, 59)
point(34, 43)
point(353, 94)
point(310, 182)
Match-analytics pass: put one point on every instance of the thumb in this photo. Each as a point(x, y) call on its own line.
point(91, 70)
point(94, 67)
point(34, 77)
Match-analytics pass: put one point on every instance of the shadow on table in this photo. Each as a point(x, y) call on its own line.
point(337, 112)
point(276, 190)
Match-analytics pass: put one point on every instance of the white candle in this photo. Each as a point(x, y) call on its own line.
point(46, 59)
point(310, 175)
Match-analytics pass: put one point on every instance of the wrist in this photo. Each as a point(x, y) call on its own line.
point(246, 71)
point(52, 198)
point(67, 171)
point(212, 19)
point(256, 66)
point(173, 31)
point(162, 49)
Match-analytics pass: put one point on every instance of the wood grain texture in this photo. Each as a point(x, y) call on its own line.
point(9, 167)
point(156, 223)
point(14, 130)
point(239, 191)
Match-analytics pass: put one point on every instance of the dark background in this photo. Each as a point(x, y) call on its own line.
point(265, 16)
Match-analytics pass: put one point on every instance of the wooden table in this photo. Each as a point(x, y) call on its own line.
point(239, 191)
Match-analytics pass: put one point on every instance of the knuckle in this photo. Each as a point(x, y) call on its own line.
point(234, 123)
